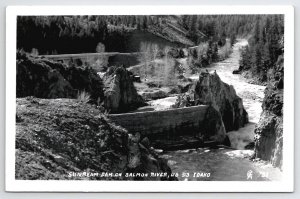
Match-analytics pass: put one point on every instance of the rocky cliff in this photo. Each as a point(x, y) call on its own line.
point(210, 90)
point(269, 130)
point(120, 93)
point(62, 138)
point(48, 79)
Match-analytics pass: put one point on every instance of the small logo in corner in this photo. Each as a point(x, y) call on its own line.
point(249, 175)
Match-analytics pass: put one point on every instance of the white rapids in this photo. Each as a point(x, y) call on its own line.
point(251, 94)
point(228, 164)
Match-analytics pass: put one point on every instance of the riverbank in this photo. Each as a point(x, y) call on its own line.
point(229, 164)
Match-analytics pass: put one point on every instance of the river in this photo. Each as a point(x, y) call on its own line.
point(226, 164)
point(251, 94)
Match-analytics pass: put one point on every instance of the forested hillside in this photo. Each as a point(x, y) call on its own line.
point(77, 34)
point(265, 46)
point(81, 34)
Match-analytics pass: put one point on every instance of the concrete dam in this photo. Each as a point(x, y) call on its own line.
point(196, 121)
point(156, 122)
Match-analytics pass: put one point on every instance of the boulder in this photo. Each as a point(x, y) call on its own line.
point(120, 93)
point(174, 52)
point(155, 94)
point(142, 159)
point(211, 90)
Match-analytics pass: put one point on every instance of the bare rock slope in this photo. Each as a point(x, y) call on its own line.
point(59, 136)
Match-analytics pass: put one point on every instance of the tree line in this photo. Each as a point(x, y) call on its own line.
point(67, 34)
point(76, 34)
point(219, 27)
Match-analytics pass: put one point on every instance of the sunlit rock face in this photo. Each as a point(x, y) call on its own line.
point(269, 138)
point(120, 93)
point(269, 130)
point(211, 90)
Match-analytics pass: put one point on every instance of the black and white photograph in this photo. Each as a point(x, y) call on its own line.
point(172, 96)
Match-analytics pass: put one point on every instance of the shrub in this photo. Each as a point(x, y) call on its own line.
point(83, 97)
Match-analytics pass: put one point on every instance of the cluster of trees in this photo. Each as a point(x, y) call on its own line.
point(219, 27)
point(203, 55)
point(77, 34)
point(67, 34)
point(265, 46)
point(140, 22)
point(157, 64)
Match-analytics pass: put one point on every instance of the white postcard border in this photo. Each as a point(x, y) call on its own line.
point(287, 183)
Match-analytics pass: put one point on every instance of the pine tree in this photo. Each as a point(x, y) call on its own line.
point(215, 52)
point(256, 32)
point(138, 23)
point(266, 62)
point(244, 60)
point(145, 23)
point(232, 39)
point(209, 52)
point(256, 60)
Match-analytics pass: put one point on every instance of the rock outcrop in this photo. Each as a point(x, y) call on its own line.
point(60, 139)
point(210, 90)
point(120, 93)
point(47, 79)
point(269, 130)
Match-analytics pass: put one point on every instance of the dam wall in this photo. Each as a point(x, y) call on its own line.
point(180, 120)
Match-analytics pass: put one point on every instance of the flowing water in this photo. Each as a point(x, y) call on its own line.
point(226, 164)
point(251, 94)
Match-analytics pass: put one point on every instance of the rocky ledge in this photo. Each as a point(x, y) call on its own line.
point(269, 130)
point(43, 78)
point(56, 138)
